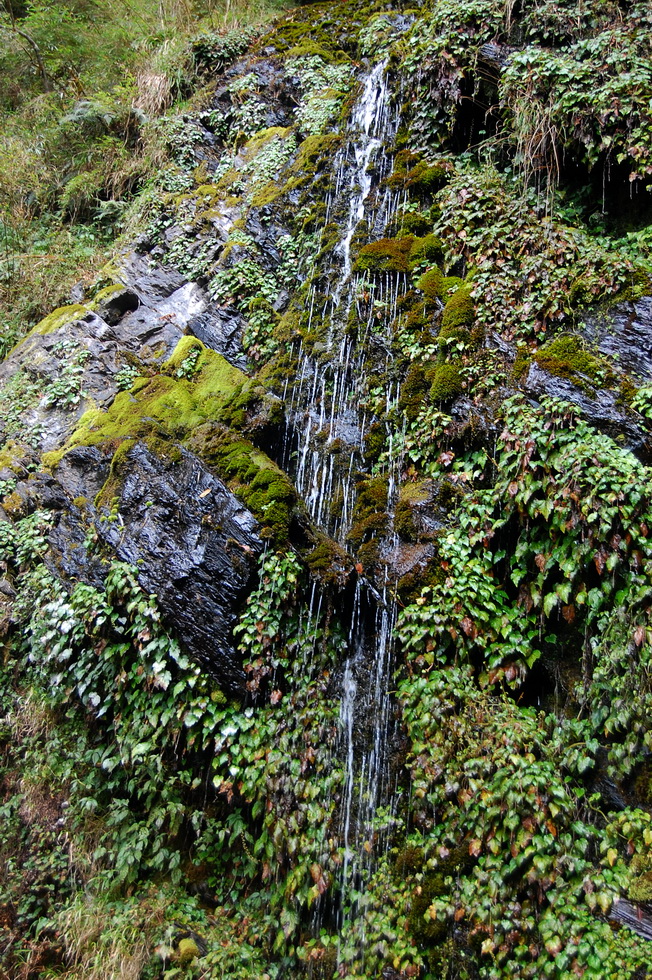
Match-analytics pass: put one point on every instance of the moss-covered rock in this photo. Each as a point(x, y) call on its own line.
point(386, 255)
point(431, 285)
point(446, 383)
point(459, 310)
point(567, 357)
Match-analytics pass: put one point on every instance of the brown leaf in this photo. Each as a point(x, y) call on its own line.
point(475, 848)
point(540, 561)
point(512, 489)
point(275, 697)
point(459, 914)
point(600, 560)
point(468, 626)
point(639, 636)
point(568, 612)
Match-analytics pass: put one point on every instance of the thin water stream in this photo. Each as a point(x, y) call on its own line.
point(327, 411)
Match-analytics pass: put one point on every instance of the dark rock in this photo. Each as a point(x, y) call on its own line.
point(150, 281)
point(637, 916)
point(221, 330)
point(195, 546)
point(625, 333)
point(112, 308)
point(601, 410)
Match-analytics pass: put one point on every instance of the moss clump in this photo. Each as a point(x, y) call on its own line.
point(329, 561)
point(427, 249)
point(449, 285)
point(371, 496)
point(446, 384)
point(431, 284)
point(188, 951)
point(521, 364)
point(314, 149)
point(640, 888)
point(374, 441)
point(308, 49)
point(404, 521)
point(413, 222)
point(566, 357)
point(414, 390)
point(459, 310)
point(410, 586)
point(261, 484)
point(385, 255)
point(369, 514)
point(414, 174)
point(60, 318)
point(167, 411)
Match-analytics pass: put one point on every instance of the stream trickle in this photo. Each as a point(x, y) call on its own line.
point(326, 408)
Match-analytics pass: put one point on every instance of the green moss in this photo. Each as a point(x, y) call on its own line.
point(640, 888)
point(309, 49)
point(566, 357)
point(449, 285)
point(371, 496)
point(188, 951)
point(521, 364)
point(106, 293)
point(418, 176)
point(167, 411)
point(459, 310)
point(329, 561)
point(313, 150)
point(446, 384)
point(59, 318)
point(374, 441)
point(385, 255)
point(414, 390)
point(426, 249)
point(404, 521)
point(261, 484)
point(431, 284)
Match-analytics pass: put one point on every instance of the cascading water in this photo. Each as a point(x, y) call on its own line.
point(325, 403)
point(326, 410)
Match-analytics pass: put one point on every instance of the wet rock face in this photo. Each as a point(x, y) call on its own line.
point(194, 544)
point(602, 410)
point(626, 333)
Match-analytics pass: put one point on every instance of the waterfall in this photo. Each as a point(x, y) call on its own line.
point(325, 410)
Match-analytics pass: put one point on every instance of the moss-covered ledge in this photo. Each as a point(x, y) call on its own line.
point(194, 404)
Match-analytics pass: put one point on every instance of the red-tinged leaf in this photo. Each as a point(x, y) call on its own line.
point(551, 827)
point(568, 612)
point(600, 560)
point(511, 672)
point(468, 626)
point(512, 489)
point(540, 561)
point(639, 636)
point(358, 567)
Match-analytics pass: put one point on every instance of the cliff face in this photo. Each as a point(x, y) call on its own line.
point(326, 566)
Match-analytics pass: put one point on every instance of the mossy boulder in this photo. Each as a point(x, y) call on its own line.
point(193, 404)
point(567, 357)
point(459, 311)
point(446, 383)
point(431, 284)
point(385, 255)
